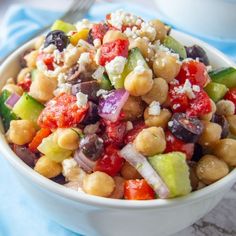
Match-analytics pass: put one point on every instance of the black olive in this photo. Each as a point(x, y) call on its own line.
point(60, 179)
point(188, 129)
point(57, 38)
point(92, 146)
point(198, 153)
point(221, 120)
point(196, 51)
point(91, 116)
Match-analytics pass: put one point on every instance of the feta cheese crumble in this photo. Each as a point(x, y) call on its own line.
point(82, 99)
point(139, 69)
point(68, 165)
point(97, 43)
point(98, 73)
point(84, 24)
point(102, 92)
point(129, 126)
point(116, 66)
point(154, 109)
point(84, 58)
point(188, 89)
point(62, 88)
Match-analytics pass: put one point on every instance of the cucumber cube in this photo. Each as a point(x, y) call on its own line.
point(63, 26)
point(216, 91)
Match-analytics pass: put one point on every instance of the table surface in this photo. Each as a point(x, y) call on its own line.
point(221, 220)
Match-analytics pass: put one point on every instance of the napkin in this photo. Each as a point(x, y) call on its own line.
point(19, 215)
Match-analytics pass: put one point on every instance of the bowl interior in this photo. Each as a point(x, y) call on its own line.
point(11, 67)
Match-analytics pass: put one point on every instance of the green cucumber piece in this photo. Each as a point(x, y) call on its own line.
point(6, 113)
point(51, 149)
point(175, 46)
point(216, 91)
point(28, 108)
point(34, 74)
point(174, 171)
point(63, 26)
point(133, 57)
point(105, 83)
point(226, 76)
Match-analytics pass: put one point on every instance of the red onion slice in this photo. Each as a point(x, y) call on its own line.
point(11, 101)
point(86, 164)
point(140, 162)
point(110, 106)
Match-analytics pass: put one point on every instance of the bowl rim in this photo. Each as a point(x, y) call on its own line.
point(72, 195)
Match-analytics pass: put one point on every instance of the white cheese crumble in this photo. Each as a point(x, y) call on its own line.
point(68, 165)
point(84, 58)
point(84, 24)
point(98, 73)
point(129, 126)
point(187, 89)
point(61, 79)
point(58, 56)
point(139, 69)
point(82, 99)
point(62, 88)
point(97, 43)
point(170, 123)
point(154, 109)
point(116, 66)
point(209, 68)
point(196, 88)
point(49, 73)
point(49, 49)
point(102, 92)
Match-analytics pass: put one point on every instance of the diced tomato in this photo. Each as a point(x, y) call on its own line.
point(195, 72)
point(99, 30)
point(109, 51)
point(231, 95)
point(200, 105)
point(111, 162)
point(138, 189)
point(48, 60)
point(25, 84)
point(175, 144)
point(40, 135)
point(62, 112)
point(132, 134)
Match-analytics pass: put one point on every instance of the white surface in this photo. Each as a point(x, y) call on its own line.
point(109, 217)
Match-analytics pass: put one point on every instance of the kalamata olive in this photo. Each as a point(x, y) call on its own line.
point(92, 146)
point(90, 88)
point(25, 155)
point(198, 152)
point(23, 63)
point(221, 120)
point(188, 129)
point(60, 179)
point(90, 37)
point(196, 51)
point(57, 38)
point(91, 116)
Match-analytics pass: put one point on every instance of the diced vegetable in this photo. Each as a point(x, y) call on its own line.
point(28, 108)
point(216, 91)
point(173, 169)
point(51, 149)
point(109, 108)
point(138, 189)
point(11, 101)
point(140, 162)
point(226, 76)
point(82, 34)
point(175, 46)
point(5, 112)
point(105, 83)
point(63, 26)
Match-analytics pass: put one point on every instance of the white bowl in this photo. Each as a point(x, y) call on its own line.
point(206, 18)
point(93, 215)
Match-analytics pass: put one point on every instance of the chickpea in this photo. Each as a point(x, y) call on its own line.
point(99, 184)
point(166, 66)
point(31, 59)
point(159, 92)
point(193, 176)
point(232, 124)
point(133, 108)
point(143, 46)
point(47, 167)
point(10, 81)
point(225, 149)
point(150, 141)
point(157, 120)
point(25, 72)
point(39, 42)
point(129, 172)
point(118, 192)
point(42, 87)
point(12, 88)
point(21, 132)
point(113, 35)
point(67, 138)
point(138, 84)
point(72, 58)
point(210, 169)
point(161, 29)
point(149, 34)
point(208, 116)
point(211, 134)
point(225, 107)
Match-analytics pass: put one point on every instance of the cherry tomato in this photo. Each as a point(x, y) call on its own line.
point(62, 112)
point(175, 144)
point(231, 95)
point(25, 84)
point(138, 189)
point(195, 72)
point(111, 162)
point(99, 30)
point(109, 51)
point(132, 134)
point(48, 60)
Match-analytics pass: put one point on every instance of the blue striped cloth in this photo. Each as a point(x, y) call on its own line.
point(18, 215)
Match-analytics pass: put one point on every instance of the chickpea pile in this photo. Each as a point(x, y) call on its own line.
point(160, 108)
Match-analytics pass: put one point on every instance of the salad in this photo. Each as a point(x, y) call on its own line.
point(121, 109)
